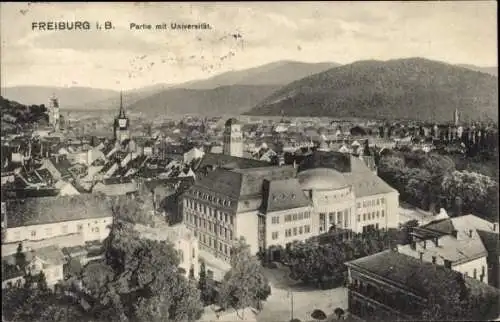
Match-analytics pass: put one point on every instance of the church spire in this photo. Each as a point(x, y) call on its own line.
point(122, 111)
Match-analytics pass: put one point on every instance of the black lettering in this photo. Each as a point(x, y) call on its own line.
point(108, 25)
point(132, 25)
point(41, 25)
point(34, 25)
point(86, 25)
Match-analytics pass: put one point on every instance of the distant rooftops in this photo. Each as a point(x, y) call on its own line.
point(232, 121)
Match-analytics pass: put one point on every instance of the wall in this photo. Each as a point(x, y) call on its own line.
point(282, 226)
point(469, 267)
point(91, 229)
point(369, 211)
point(247, 224)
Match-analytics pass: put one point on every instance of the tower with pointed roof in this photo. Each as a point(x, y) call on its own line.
point(456, 117)
point(121, 126)
point(53, 111)
point(233, 138)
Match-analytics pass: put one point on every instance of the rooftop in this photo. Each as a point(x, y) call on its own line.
point(45, 210)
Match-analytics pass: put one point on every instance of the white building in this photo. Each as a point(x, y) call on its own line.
point(41, 218)
point(458, 243)
point(193, 154)
point(233, 138)
point(271, 206)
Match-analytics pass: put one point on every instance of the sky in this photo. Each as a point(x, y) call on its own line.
point(242, 35)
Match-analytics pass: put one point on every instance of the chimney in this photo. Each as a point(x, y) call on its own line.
point(454, 233)
point(470, 233)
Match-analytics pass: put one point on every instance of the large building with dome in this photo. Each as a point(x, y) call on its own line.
point(276, 205)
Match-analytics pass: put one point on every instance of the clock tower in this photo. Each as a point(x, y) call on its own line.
point(121, 125)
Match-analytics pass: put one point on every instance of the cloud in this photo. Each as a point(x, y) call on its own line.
point(457, 32)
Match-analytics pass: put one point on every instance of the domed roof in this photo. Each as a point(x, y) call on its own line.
point(321, 179)
point(232, 121)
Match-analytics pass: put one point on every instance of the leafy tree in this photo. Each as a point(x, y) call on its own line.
point(139, 281)
point(41, 281)
point(207, 292)
point(245, 284)
point(20, 257)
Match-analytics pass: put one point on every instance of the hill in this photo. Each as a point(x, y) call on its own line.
point(17, 116)
point(277, 73)
point(413, 88)
point(219, 101)
point(488, 70)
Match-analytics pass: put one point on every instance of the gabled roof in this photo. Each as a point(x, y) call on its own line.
point(219, 160)
point(62, 165)
point(422, 278)
point(37, 211)
point(45, 174)
point(282, 195)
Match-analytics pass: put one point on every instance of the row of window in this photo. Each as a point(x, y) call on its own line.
point(48, 232)
point(213, 243)
point(297, 216)
point(295, 231)
point(210, 212)
point(371, 203)
point(342, 194)
point(212, 199)
point(210, 226)
point(371, 215)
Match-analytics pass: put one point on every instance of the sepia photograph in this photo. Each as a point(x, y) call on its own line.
point(288, 161)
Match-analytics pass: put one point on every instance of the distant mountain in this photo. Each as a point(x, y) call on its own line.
point(488, 70)
point(277, 73)
point(414, 88)
point(80, 98)
point(219, 101)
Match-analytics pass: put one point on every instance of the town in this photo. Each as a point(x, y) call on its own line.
point(286, 162)
point(295, 193)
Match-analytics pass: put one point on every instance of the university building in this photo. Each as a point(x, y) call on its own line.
point(277, 205)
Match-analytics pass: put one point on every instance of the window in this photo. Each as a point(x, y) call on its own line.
point(433, 259)
point(231, 219)
point(359, 218)
point(364, 217)
point(231, 235)
point(378, 202)
point(288, 233)
point(220, 246)
point(382, 212)
point(294, 217)
point(378, 214)
point(301, 216)
point(300, 230)
point(295, 231)
point(48, 231)
point(382, 200)
point(225, 217)
point(307, 229)
point(204, 239)
point(225, 250)
point(339, 218)
point(33, 233)
point(274, 235)
point(95, 229)
point(275, 220)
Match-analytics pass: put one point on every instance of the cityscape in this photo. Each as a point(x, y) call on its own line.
point(290, 190)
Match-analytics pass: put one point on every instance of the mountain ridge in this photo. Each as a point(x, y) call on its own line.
point(415, 88)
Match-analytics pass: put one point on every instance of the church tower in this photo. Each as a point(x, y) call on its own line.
point(233, 138)
point(456, 117)
point(53, 110)
point(121, 125)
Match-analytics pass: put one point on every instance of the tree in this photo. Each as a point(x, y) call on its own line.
point(139, 280)
point(207, 293)
point(245, 284)
point(20, 257)
point(41, 281)
point(339, 313)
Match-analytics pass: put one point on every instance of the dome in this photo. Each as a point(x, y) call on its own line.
point(321, 179)
point(232, 121)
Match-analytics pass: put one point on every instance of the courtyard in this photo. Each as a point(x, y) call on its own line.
point(305, 299)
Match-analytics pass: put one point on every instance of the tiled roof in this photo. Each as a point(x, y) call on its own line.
point(115, 189)
point(367, 184)
point(219, 160)
point(283, 194)
point(45, 174)
point(37, 211)
point(170, 182)
point(408, 272)
point(62, 165)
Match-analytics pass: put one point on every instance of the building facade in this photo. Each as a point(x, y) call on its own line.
point(233, 138)
point(275, 206)
point(41, 218)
